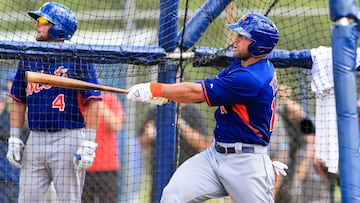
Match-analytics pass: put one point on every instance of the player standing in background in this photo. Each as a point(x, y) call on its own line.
point(9, 176)
point(308, 186)
point(237, 163)
point(286, 139)
point(56, 117)
point(101, 180)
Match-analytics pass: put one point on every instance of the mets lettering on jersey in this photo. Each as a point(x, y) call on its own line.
point(52, 107)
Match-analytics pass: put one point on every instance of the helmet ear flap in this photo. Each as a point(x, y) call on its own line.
point(56, 33)
point(253, 48)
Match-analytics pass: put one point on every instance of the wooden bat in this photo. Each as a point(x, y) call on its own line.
point(70, 83)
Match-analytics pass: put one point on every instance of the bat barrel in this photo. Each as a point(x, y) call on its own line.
point(70, 83)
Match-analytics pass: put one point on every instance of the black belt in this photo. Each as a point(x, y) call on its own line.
point(227, 150)
point(50, 130)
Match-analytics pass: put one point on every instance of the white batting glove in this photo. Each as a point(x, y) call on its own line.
point(15, 146)
point(140, 92)
point(280, 168)
point(85, 155)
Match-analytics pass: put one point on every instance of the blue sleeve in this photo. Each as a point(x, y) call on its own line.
point(18, 88)
point(237, 87)
point(92, 79)
point(86, 72)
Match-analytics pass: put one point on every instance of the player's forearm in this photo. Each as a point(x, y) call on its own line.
point(185, 92)
point(92, 114)
point(303, 168)
point(114, 122)
point(295, 111)
point(193, 137)
point(308, 160)
point(197, 141)
point(17, 114)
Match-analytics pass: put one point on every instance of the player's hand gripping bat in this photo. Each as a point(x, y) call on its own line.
point(64, 82)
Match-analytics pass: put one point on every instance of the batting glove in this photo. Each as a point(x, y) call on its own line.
point(85, 155)
point(15, 146)
point(280, 168)
point(143, 92)
point(140, 92)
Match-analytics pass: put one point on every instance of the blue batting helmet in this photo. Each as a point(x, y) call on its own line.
point(259, 29)
point(63, 20)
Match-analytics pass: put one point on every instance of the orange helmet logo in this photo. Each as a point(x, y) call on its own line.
point(243, 18)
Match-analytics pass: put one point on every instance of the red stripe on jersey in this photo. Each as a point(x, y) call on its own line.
point(205, 94)
point(242, 112)
point(16, 99)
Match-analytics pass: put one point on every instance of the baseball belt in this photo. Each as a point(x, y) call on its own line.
point(238, 147)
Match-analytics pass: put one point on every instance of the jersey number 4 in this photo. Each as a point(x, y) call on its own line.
point(59, 102)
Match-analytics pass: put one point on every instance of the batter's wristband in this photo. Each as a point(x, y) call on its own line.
point(156, 89)
point(90, 134)
point(15, 132)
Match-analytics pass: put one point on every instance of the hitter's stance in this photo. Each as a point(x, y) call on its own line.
point(237, 163)
point(55, 117)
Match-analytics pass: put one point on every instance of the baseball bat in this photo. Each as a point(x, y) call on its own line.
point(71, 83)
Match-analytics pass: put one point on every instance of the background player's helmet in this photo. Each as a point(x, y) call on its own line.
point(62, 17)
point(259, 29)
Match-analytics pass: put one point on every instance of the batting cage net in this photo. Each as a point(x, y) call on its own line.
point(123, 43)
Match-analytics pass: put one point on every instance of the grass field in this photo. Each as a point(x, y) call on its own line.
point(293, 29)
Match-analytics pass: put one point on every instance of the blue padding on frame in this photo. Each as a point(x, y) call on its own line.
point(280, 58)
point(95, 53)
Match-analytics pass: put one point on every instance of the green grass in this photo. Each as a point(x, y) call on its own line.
point(337, 194)
point(88, 5)
point(293, 30)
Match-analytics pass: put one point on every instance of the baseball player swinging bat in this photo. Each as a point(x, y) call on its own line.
point(64, 82)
